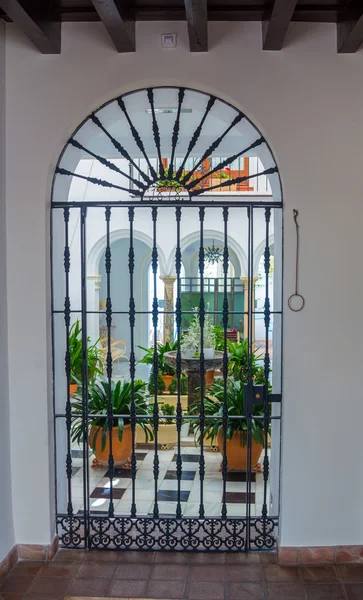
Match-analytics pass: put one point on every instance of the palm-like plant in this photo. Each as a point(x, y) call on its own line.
point(213, 406)
point(148, 358)
point(242, 364)
point(94, 366)
point(99, 392)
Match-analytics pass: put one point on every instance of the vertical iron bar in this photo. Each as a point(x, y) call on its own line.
point(202, 366)
point(175, 135)
point(248, 404)
point(225, 363)
point(267, 316)
point(67, 320)
point(178, 318)
point(109, 356)
point(156, 132)
point(215, 299)
point(132, 358)
point(84, 372)
point(155, 313)
point(52, 213)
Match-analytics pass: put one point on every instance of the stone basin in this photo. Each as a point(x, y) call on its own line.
point(193, 364)
point(192, 368)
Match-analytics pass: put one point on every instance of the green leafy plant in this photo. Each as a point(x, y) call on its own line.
point(241, 364)
point(151, 385)
point(222, 174)
point(148, 358)
point(219, 337)
point(213, 406)
point(167, 410)
point(191, 340)
point(173, 387)
point(75, 355)
point(169, 183)
point(121, 399)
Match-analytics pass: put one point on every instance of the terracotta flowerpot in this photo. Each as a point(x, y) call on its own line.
point(209, 378)
point(167, 380)
point(121, 450)
point(237, 453)
point(73, 387)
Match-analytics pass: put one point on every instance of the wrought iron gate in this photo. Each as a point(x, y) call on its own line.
point(245, 398)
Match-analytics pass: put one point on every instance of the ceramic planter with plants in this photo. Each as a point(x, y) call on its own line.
point(165, 370)
point(167, 431)
point(169, 185)
point(191, 344)
point(75, 356)
point(160, 384)
point(100, 394)
point(173, 387)
point(236, 433)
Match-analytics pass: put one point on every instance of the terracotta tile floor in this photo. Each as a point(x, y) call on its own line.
point(169, 575)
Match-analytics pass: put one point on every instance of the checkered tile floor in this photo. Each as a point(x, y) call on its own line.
point(167, 486)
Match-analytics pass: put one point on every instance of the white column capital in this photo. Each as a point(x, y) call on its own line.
point(168, 279)
point(96, 279)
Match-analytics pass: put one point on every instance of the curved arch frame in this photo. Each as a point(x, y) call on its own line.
point(191, 238)
point(265, 537)
point(98, 248)
point(264, 147)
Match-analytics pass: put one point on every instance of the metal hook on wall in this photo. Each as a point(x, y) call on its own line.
point(296, 301)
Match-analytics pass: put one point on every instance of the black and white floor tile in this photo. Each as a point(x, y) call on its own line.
point(167, 486)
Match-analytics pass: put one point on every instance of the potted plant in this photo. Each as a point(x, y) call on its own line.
point(167, 431)
point(169, 185)
point(173, 387)
point(160, 386)
point(236, 434)
point(165, 370)
point(222, 174)
point(242, 362)
point(94, 366)
point(190, 347)
point(100, 391)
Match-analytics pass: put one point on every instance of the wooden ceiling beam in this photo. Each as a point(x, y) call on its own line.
point(275, 27)
point(350, 29)
point(118, 17)
point(197, 22)
point(39, 20)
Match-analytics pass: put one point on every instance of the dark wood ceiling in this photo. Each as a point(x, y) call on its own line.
point(41, 19)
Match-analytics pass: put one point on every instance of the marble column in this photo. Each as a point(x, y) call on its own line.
point(169, 281)
point(93, 304)
point(246, 295)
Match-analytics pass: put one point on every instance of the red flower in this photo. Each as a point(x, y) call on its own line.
point(227, 169)
point(234, 330)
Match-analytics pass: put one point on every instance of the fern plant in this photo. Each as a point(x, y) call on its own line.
point(99, 392)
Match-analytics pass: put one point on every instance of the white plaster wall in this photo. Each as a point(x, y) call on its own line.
point(7, 539)
point(307, 101)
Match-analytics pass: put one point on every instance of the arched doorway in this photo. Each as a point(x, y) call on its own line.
point(163, 179)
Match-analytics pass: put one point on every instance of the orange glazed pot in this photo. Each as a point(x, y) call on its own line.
point(237, 454)
point(121, 451)
point(167, 380)
point(209, 377)
point(73, 387)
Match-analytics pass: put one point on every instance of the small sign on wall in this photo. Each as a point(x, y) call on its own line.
point(168, 40)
